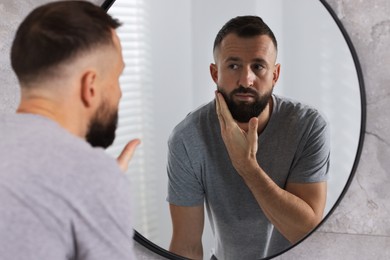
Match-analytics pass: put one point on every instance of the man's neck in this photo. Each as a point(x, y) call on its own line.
point(53, 111)
point(38, 107)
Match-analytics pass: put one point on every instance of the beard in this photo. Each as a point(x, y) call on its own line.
point(243, 111)
point(102, 127)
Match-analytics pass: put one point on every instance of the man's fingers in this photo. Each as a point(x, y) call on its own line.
point(127, 153)
point(220, 116)
point(223, 109)
point(252, 134)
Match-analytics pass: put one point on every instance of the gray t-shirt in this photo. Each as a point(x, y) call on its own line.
point(294, 147)
point(60, 198)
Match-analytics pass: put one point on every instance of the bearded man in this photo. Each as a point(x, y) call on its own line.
point(61, 196)
point(258, 162)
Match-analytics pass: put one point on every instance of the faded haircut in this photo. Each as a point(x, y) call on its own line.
point(56, 33)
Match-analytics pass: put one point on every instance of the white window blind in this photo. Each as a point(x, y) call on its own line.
point(135, 109)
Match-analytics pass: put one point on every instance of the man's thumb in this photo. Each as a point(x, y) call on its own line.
point(127, 153)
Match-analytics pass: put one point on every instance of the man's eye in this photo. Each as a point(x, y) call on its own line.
point(258, 67)
point(233, 66)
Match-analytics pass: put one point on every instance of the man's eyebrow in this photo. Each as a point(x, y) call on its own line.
point(236, 59)
point(260, 60)
point(229, 59)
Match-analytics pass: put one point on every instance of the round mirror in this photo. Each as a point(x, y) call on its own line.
point(167, 46)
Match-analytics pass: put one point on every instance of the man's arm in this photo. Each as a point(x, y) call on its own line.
point(187, 223)
point(294, 211)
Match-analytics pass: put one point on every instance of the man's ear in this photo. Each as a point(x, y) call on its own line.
point(88, 91)
point(214, 72)
point(276, 73)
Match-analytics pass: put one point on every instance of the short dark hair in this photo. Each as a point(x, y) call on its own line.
point(57, 32)
point(246, 27)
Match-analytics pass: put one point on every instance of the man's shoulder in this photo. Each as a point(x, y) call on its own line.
point(289, 104)
point(36, 137)
point(198, 127)
point(297, 110)
point(195, 119)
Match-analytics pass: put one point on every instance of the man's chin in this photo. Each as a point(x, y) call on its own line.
point(243, 119)
point(100, 135)
point(101, 142)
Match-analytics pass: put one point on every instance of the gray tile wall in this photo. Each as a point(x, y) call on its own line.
point(360, 227)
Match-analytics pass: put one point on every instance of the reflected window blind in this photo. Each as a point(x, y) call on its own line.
point(135, 109)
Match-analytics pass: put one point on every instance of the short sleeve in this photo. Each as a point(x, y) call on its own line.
point(184, 183)
point(312, 162)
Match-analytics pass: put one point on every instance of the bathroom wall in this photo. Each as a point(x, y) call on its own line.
point(360, 227)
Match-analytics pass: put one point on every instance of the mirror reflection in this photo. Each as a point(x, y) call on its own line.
point(168, 47)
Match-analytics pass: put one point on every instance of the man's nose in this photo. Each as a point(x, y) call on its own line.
point(247, 77)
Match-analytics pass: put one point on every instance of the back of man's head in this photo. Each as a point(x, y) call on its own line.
point(54, 34)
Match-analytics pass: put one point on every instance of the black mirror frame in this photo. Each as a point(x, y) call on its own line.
point(164, 253)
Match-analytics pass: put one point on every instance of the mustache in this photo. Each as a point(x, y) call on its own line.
point(243, 90)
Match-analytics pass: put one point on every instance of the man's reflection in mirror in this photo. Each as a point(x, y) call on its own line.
point(257, 161)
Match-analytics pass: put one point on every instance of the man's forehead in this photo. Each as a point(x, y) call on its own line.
point(233, 46)
point(233, 38)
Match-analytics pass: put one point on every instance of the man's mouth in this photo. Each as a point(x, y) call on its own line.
point(244, 97)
